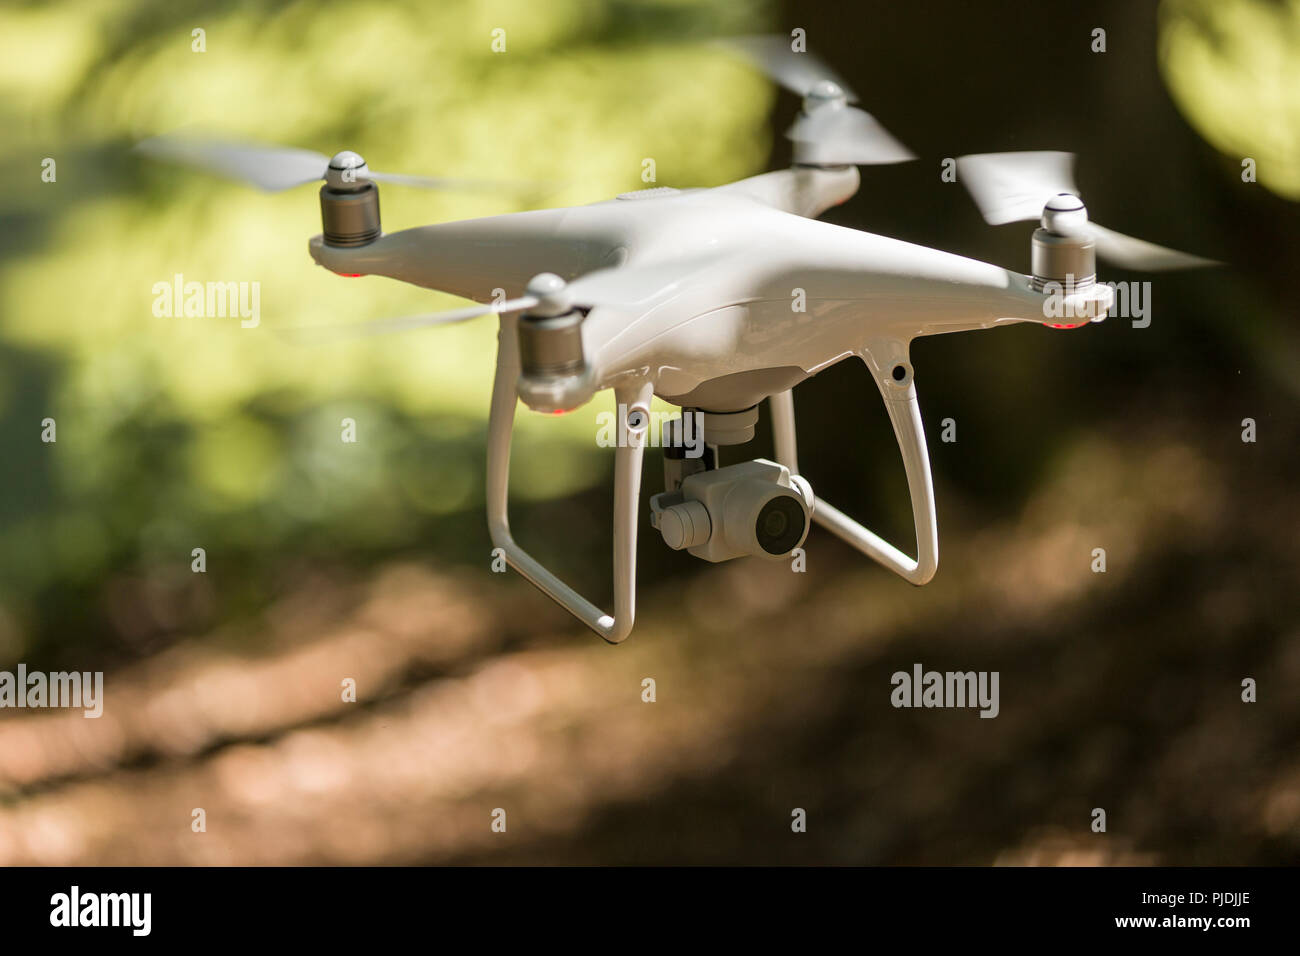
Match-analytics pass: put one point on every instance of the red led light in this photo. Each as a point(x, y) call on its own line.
point(1076, 325)
point(349, 275)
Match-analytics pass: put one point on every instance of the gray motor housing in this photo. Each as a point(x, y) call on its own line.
point(350, 217)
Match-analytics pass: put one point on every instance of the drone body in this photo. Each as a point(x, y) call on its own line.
point(714, 300)
point(719, 297)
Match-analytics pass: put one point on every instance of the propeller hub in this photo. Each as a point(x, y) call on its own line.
point(552, 295)
point(824, 93)
point(1065, 215)
point(347, 170)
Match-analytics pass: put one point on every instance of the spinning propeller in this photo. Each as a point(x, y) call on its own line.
point(828, 131)
point(1011, 187)
point(547, 295)
point(275, 168)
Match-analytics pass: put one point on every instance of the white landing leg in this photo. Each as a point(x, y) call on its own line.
point(627, 493)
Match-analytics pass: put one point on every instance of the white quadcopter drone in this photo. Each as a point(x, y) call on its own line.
point(689, 295)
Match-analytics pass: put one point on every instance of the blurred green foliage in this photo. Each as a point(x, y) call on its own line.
point(175, 433)
point(1233, 67)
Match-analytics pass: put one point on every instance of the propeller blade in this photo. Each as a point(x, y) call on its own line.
point(846, 135)
point(1009, 187)
point(318, 335)
point(827, 131)
point(272, 168)
point(797, 72)
point(1143, 256)
point(275, 168)
point(462, 185)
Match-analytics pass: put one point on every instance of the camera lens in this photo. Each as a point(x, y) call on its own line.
point(780, 524)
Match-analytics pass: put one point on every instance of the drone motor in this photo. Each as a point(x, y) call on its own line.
point(349, 202)
point(1063, 251)
point(554, 375)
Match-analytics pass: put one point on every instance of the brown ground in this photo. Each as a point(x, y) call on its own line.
point(1118, 690)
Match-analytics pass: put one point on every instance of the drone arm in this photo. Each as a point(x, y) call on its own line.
point(905, 415)
point(627, 488)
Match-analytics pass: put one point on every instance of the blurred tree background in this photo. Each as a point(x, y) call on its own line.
point(329, 560)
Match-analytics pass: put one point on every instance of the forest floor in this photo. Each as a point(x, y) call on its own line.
point(1119, 690)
